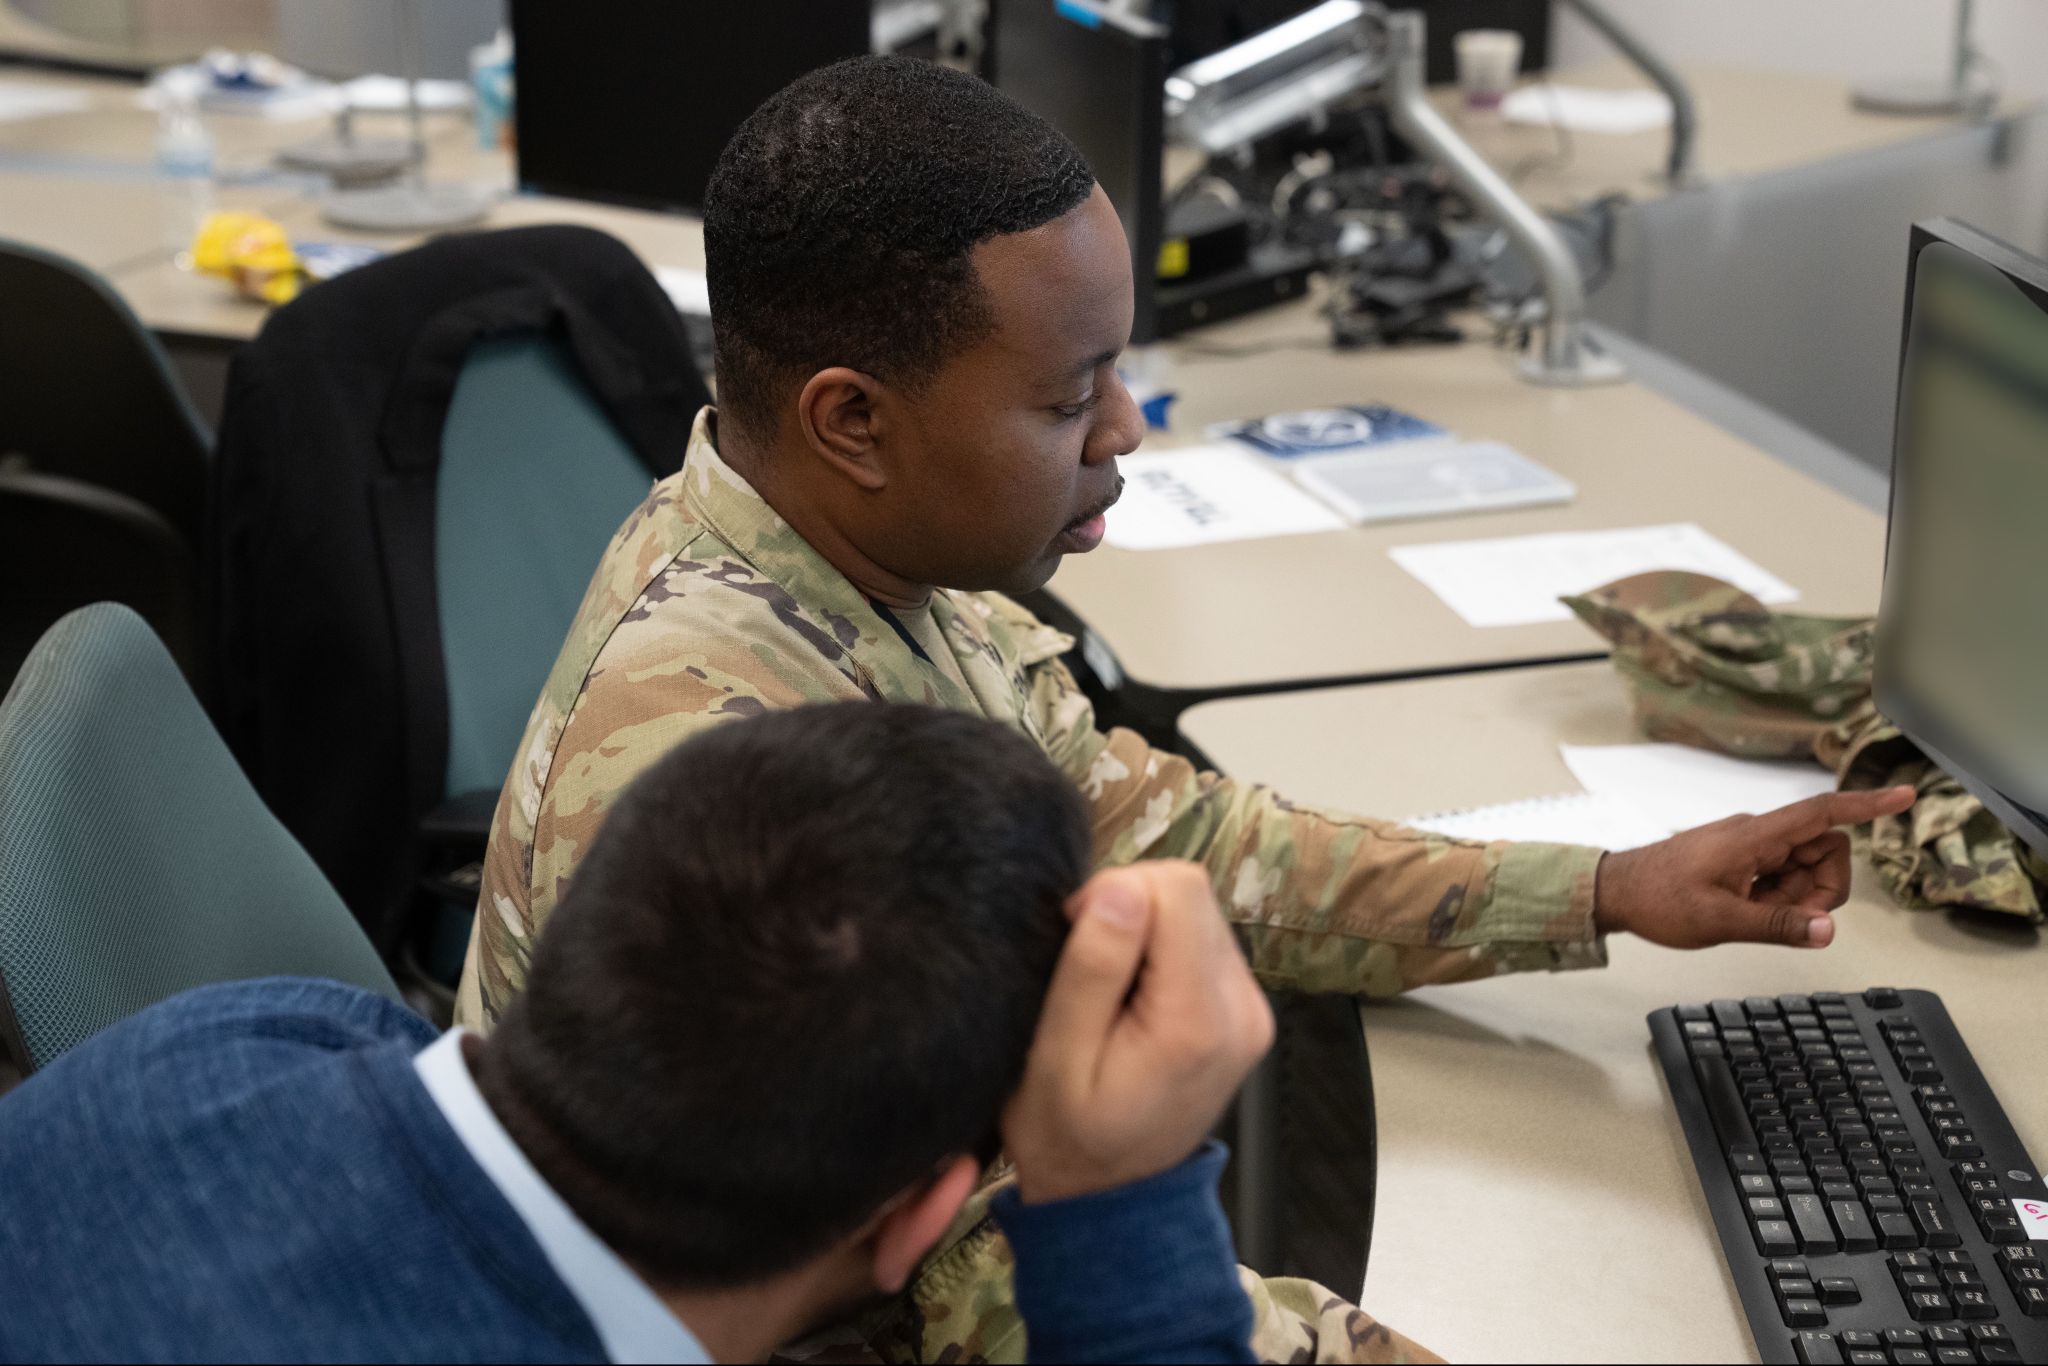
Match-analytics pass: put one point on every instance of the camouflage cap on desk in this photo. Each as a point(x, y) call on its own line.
point(1948, 850)
point(1709, 665)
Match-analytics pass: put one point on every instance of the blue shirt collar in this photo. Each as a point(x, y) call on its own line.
point(632, 1322)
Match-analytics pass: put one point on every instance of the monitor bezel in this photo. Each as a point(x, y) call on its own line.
point(1893, 700)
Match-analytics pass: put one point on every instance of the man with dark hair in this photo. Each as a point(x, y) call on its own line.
point(920, 296)
point(765, 1051)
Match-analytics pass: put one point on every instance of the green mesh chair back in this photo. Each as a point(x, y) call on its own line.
point(534, 480)
point(135, 859)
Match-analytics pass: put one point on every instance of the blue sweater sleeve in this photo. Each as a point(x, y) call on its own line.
point(1142, 1273)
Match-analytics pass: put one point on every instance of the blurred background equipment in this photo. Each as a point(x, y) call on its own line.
point(1966, 88)
point(634, 109)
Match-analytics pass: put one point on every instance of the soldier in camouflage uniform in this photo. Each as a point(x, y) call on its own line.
point(920, 296)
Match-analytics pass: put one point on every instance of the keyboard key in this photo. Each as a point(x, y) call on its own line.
point(1965, 1277)
point(1962, 1144)
point(1691, 1013)
point(1729, 1014)
point(1796, 1005)
point(1882, 998)
point(1911, 1281)
point(1972, 1304)
point(1797, 1288)
point(1853, 1223)
point(1810, 1221)
point(1757, 1185)
point(1774, 1237)
point(1953, 1259)
point(1761, 1007)
point(1955, 1356)
point(1998, 1353)
point(1893, 1230)
point(1910, 1261)
point(1787, 1266)
point(1771, 1207)
point(1931, 1217)
point(2003, 1228)
point(1839, 1290)
point(1866, 1357)
point(1929, 1306)
point(1804, 1314)
point(1896, 1338)
point(2033, 1300)
point(1990, 1332)
point(1818, 1349)
point(1912, 1356)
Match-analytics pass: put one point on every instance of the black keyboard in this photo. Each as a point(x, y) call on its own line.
point(1873, 1203)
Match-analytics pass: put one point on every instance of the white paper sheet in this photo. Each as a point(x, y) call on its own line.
point(1588, 111)
point(26, 100)
point(1202, 494)
point(1679, 787)
point(687, 289)
point(1568, 818)
point(1517, 580)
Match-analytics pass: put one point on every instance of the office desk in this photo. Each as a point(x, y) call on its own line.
point(1750, 123)
point(1536, 1198)
point(1332, 605)
point(194, 308)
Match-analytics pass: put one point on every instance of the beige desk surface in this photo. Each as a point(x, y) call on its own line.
point(173, 300)
point(1334, 605)
point(1750, 123)
point(1536, 1198)
point(111, 223)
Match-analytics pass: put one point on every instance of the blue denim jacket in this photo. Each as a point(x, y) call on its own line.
point(254, 1171)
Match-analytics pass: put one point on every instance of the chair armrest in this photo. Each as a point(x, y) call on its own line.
point(461, 820)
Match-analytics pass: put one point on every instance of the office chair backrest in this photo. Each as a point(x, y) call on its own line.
point(534, 481)
point(87, 394)
point(361, 665)
point(135, 859)
point(65, 544)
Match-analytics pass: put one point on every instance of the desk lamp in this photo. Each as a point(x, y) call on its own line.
point(413, 204)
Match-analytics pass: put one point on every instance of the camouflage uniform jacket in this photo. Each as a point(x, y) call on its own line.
point(708, 606)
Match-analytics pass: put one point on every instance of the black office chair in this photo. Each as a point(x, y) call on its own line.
point(1304, 1162)
point(64, 544)
point(87, 394)
point(420, 465)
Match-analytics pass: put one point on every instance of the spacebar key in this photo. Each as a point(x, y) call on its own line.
point(1730, 1115)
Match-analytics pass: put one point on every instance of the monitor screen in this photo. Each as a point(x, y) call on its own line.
point(632, 101)
point(1962, 650)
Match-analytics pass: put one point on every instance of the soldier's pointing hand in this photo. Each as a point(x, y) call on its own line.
point(1768, 879)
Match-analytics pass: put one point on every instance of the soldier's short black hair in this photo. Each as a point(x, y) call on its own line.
point(839, 219)
point(799, 968)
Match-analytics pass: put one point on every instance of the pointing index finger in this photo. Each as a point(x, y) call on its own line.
point(1815, 816)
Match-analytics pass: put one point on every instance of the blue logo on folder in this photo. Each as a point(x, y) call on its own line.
point(1319, 431)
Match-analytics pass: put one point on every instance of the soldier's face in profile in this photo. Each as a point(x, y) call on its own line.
point(1006, 459)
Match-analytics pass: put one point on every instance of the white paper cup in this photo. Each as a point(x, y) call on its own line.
point(1488, 59)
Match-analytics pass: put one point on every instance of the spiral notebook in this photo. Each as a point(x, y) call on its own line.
point(1566, 818)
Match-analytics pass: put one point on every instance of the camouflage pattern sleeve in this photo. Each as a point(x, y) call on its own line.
point(1326, 902)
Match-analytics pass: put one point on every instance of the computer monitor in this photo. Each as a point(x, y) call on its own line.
point(1962, 641)
point(631, 101)
point(1098, 74)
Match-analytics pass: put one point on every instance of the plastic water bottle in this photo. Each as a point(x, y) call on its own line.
point(490, 78)
point(184, 158)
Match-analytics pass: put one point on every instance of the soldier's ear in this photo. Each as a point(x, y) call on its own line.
point(836, 416)
point(915, 1221)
